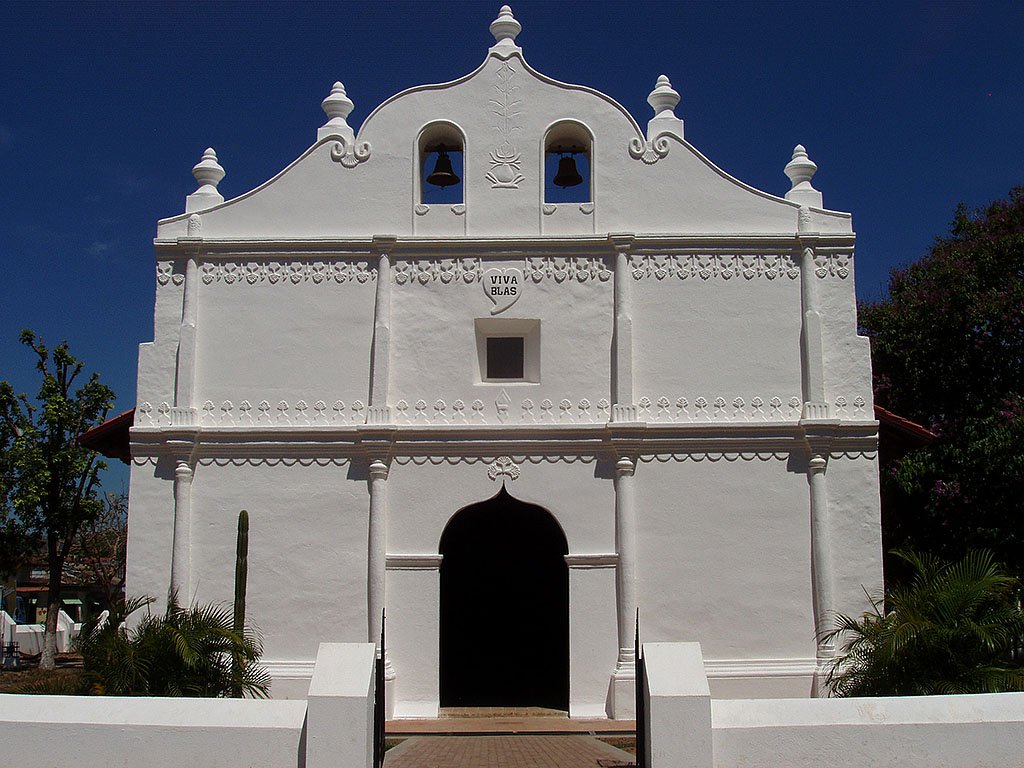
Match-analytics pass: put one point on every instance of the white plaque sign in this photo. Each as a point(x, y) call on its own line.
point(503, 287)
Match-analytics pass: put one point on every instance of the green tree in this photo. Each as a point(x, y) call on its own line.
point(954, 628)
point(947, 349)
point(48, 482)
point(185, 652)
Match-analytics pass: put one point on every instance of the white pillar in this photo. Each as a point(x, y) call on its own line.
point(380, 355)
point(811, 352)
point(376, 560)
point(623, 702)
point(622, 362)
point(184, 383)
point(181, 545)
point(821, 561)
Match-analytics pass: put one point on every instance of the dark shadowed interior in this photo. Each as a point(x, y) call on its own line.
point(504, 607)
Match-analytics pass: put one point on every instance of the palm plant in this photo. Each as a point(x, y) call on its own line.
point(185, 652)
point(954, 628)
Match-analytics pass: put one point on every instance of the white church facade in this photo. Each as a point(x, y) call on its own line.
point(507, 411)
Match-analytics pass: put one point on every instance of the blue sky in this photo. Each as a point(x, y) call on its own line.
point(907, 108)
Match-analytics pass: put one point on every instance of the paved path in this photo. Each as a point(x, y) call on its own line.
point(526, 751)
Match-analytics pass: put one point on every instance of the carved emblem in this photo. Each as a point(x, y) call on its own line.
point(350, 154)
point(506, 160)
point(503, 466)
point(503, 287)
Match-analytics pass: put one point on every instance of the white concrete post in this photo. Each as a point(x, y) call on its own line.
point(377, 560)
point(622, 363)
point(811, 352)
point(339, 712)
point(821, 557)
point(181, 545)
point(184, 383)
point(623, 702)
point(678, 702)
point(378, 411)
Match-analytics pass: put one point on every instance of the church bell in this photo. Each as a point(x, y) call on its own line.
point(443, 175)
point(567, 175)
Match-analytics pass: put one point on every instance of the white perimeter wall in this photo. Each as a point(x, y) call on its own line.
point(686, 727)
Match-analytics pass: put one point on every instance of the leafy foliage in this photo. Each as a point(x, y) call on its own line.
point(947, 349)
point(48, 482)
point(954, 628)
point(100, 551)
point(185, 652)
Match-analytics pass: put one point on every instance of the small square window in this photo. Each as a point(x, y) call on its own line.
point(505, 357)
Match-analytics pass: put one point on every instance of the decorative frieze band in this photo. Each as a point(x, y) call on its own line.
point(529, 411)
point(293, 271)
point(470, 269)
point(768, 266)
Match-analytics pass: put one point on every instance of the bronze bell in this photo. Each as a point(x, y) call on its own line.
point(567, 175)
point(443, 175)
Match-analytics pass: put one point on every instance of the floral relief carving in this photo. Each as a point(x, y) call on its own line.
point(506, 159)
point(169, 272)
point(503, 466)
point(423, 271)
point(438, 411)
point(562, 268)
point(768, 266)
point(293, 272)
point(832, 265)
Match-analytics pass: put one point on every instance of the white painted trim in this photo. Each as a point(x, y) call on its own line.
point(731, 668)
point(413, 562)
point(604, 560)
point(282, 668)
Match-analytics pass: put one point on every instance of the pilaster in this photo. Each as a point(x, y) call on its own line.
point(378, 411)
point(623, 408)
point(377, 563)
point(622, 700)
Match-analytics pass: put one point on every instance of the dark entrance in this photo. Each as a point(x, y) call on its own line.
point(504, 607)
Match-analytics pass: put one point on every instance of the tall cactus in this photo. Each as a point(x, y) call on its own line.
point(241, 575)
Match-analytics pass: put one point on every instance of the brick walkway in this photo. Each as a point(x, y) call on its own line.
point(526, 751)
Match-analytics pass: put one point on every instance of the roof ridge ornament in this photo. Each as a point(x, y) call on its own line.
point(208, 173)
point(801, 170)
point(337, 106)
point(505, 28)
point(663, 100)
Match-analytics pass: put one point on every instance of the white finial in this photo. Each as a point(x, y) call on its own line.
point(801, 170)
point(663, 100)
point(337, 107)
point(208, 172)
point(505, 27)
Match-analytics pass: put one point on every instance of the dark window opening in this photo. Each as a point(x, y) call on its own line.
point(563, 165)
point(505, 357)
point(442, 173)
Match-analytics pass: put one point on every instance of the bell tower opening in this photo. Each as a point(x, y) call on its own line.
point(504, 629)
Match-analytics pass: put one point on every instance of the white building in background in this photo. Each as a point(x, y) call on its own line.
point(508, 413)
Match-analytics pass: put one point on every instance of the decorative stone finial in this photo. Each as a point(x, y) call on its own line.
point(337, 107)
point(208, 172)
point(800, 171)
point(505, 27)
point(663, 100)
point(664, 97)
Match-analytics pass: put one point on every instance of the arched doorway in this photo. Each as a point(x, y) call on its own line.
point(504, 607)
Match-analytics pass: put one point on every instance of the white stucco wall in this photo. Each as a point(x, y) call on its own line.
point(328, 319)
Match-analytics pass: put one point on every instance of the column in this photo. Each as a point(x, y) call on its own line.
point(811, 354)
point(622, 362)
point(181, 545)
point(380, 352)
point(623, 679)
point(184, 385)
point(821, 556)
point(376, 560)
